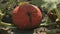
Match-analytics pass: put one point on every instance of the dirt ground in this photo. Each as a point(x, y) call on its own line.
point(41, 30)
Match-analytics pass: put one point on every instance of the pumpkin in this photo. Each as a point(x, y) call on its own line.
point(27, 16)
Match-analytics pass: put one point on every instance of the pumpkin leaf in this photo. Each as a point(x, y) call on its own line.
point(50, 4)
point(37, 2)
point(57, 13)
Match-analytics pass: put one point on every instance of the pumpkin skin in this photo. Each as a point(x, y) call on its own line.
point(27, 16)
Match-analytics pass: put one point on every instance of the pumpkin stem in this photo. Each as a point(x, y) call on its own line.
point(23, 3)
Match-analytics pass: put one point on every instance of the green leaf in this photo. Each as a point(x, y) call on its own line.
point(50, 4)
point(37, 2)
point(57, 13)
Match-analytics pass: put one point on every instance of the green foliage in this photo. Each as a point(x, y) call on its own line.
point(6, 5)
point(37, 2)
point(57, 13)
point(50, 4)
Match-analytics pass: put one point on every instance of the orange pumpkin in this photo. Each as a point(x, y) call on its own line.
point(27, 16)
